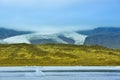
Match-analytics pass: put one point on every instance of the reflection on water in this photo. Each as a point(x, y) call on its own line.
point(60, 76)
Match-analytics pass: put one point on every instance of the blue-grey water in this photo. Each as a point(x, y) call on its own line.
point(60, 76)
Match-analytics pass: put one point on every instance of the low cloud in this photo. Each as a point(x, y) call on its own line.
point(51, 29)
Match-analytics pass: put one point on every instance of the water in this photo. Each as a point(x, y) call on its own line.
point(60, 73)
point(60, 76)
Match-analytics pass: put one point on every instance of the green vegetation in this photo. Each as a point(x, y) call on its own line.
point(57, 55)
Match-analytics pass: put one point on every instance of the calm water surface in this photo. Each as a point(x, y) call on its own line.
point(61, 76)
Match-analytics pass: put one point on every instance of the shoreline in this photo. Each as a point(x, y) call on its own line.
point(61, 69)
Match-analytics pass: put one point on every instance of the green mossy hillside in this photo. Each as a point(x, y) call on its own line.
point(57, 55)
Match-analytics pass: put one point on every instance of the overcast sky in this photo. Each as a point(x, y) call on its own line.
point(59, 15)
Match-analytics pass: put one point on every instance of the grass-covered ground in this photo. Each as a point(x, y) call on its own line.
point(57, 55)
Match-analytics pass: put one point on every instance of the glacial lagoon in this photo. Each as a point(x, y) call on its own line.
point(60, 73)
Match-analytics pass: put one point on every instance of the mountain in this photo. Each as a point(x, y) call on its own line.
point(110, 41)
point(5, 33)
point(104, 36)
point(57, 55)
point(38, 38)
point(100, 31)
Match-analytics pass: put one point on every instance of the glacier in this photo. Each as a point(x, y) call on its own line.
point(78, 38)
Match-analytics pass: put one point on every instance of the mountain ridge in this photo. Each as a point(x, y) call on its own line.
point(104, 36)
point(6, 32)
